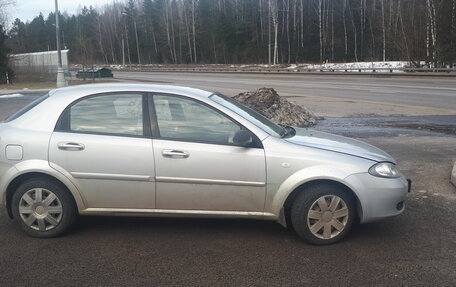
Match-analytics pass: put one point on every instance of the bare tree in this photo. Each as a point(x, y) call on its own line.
point(453, 24)
point(187, 29)
point(286, 9)
point(302, 24)
point(371, 27)
point(319, 9)
point(275, 22)
point(362, 28)
point(100, 41)
point(171, 19)
point(383, 30)
point(127, 41)
point(332, 30)
point(269, 32)
point(194, 30)
point(432, 28)
point(344, 8)
point(168, 31)
point(404, 34)
point(355, 37)
point(260, 3)
point(4, 4)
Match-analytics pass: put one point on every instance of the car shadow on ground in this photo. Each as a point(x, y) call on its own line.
point(216, 228)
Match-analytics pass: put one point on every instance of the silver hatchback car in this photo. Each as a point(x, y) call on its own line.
point(153, 150)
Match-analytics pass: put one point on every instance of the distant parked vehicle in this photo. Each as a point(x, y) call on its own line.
point(129, 149)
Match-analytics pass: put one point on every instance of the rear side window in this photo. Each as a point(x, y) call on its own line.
point(117, 114)
point(26, 108)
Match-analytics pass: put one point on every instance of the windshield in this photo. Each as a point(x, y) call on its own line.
point(26, 109)
point(250, 115)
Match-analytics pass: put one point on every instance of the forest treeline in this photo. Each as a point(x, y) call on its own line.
point(248, 31)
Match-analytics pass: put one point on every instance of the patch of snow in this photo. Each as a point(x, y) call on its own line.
point(292, 67)
point(11, 96)
point(364, 66)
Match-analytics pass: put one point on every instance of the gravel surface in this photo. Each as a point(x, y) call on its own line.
point(407, 250)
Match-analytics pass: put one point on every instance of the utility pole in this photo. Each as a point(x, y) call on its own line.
point(60, 74)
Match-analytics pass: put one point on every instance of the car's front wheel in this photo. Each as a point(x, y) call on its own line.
point(43, 208)
point(323, 214)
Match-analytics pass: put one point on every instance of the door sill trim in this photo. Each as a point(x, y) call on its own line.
point(175, 212)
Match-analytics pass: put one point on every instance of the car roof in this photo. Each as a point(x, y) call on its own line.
point(59, 99)
point(88, 89)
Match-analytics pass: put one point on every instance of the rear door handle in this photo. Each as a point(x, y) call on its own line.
point(70, 146)
point(175, 153)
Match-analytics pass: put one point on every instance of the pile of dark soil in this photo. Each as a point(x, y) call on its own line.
point(267, 102)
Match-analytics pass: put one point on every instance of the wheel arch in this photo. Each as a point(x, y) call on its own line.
point(286, 209)
point(18, 180)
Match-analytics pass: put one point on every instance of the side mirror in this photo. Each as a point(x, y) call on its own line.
point(241, 138)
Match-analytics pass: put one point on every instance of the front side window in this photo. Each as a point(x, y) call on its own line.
point(250, 115)
point(108, 114)
point(187, 120)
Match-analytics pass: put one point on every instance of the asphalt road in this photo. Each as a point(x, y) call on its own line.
point(416, 248)
point(439, 93)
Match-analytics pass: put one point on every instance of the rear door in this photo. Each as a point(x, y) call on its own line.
point(103, 142)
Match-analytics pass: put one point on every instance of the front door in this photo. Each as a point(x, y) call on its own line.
point(103, 142)
point(196, 166)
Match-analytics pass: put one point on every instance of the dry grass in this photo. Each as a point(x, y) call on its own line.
point(25, 85)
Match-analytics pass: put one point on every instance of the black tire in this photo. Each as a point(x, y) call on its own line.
point(307, 199)
point(63, 201)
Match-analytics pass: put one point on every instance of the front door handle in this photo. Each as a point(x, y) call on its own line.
point(175, 153)
point(70, 146)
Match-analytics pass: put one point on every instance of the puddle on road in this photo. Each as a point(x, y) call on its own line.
point(372, 126)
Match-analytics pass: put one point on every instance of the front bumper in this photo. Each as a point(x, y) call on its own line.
point(379, 197)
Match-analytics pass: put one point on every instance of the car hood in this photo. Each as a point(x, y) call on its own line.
point(340, 144)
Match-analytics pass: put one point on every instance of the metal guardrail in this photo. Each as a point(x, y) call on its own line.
point(301, 70)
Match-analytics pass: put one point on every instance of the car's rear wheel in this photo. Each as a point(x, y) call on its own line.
point(323, 214)
point(43, 208)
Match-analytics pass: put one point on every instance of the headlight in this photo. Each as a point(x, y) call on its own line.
point(385, 169)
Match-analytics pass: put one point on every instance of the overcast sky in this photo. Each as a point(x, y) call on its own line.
point(26, 10)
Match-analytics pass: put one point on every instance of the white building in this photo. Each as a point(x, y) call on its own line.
point(46, 62)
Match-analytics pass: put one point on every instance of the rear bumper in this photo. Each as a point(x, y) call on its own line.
point(379, 197)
